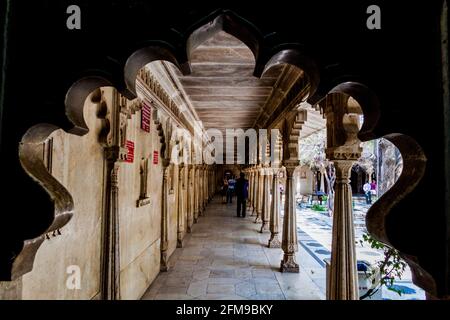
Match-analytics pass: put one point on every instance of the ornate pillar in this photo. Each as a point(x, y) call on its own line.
point(180, 213)
point(206, 186)
point(255, 189)
point(200, 190)
point(343, 270)
point(110, 282)
point(250, 188)
point(164, 218)
point(190, 198)
point(291, 133)
point(114, 143)
point(343, 149)
point(259, 196)
point(265, 213)
point(196, 193)
point(274, 241)
point(211, 184)
point(289, 243)
point(214, 182)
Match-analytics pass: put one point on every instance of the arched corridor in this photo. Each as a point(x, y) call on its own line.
point(227, 258)
point(119, 167)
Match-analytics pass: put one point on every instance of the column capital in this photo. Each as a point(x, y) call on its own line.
point(268, 171)
point(276, 170)
point(290, 166)
point(343, 168)
point(352, 153)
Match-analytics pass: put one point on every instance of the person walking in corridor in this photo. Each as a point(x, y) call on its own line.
point(241, 195)
point(230, 189)
point(368, 192)
point(224, 190)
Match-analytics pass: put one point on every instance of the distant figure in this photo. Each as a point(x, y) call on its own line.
point(241, 195)
point(373, 187)
point(368, 192)
point(230, 190)
point(224, 189)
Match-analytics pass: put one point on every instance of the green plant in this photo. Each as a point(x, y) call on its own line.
point(386, 270)
point(318, 207)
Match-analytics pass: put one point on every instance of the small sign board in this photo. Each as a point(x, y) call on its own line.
point(130, 151)
point(146, 116)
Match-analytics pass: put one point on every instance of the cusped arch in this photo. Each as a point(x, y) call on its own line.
point(294, 57)
point(222, 20)
point(414, 167)
point(377, 218)
point(367, 100)
point(75, 100)
point(141, 57)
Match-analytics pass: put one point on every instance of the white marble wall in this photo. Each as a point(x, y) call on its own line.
point(78, 163)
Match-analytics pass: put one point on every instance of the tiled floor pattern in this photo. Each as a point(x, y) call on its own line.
point(225, 257)
point(314, 235)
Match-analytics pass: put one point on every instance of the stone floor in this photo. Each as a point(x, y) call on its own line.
point(225, 257)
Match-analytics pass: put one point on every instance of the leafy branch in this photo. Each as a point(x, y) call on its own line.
point(386, 270)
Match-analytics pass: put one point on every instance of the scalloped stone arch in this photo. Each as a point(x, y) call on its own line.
point(414, 166)
point(223, 20)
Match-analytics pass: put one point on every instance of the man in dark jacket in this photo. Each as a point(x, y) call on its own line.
point(241, 190)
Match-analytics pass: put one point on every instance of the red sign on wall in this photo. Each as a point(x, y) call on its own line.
point(146, 115)
point(155, 157)
point(130, 151)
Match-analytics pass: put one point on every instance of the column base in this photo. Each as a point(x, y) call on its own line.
point(264, 227)
point(196, 219)
point(288, 264)
point(189, 228)
point(164, 262)
point(274, 241)
point(258, 218)
point(179, 243)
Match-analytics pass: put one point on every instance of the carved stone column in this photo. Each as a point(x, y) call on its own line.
point(274, 241)
point(196, 194)
point(265, 213)
point(200, 190)
point(249, 176)
point(214, 183)
point(206, 185)
point(259, 196)
point(343, 149)
point(255, 190)
point(211, 185)
point(250, 188)
point(164, 218)
point(180, 213)
point(110, 274)
point(190, 198)
point(343, 269)
point(289, 243)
